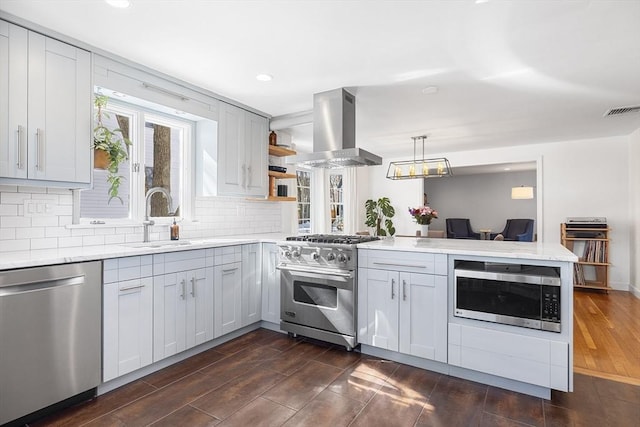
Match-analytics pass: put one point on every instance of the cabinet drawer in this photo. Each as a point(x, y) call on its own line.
point(228, 254)
point(412, 262)
point(518, 357)
point(127, 268)
point(173, 262)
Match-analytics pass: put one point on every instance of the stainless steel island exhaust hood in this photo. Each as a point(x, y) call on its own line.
point(334, 134)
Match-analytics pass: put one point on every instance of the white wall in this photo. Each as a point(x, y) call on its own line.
point(483, 198)
point(634, 197)
point(576, 178)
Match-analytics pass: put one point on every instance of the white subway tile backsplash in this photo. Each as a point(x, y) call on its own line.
point(27, 189)
point(44, 221)
point(14, 198)
point(68, 242)
point(7, 233)
point(92, 240)
point(30, 233)
point(15, 221)
point(37, 218)
point(8, 188)
point(44, 243)
point(57, 232)
point(15, 245)
point(8, 210)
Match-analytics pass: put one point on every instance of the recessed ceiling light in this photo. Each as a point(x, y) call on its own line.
point(264, 77)
point(180, 113)
point(507, 169)
point(429, 90)
point(119, 3)
point(482, 1)
point(119, 94)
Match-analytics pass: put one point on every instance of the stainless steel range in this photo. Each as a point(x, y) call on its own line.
point(318, 286)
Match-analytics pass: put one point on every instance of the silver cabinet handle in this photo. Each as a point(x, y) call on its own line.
point(248, 176)
point(19, 147)
point(404, 290)
point(128, 288)
point(37, 148)
point(193, 287)
point(244, 176)
point(393, 293)
point(229, 270)
point(394, 264)
point(182, 283)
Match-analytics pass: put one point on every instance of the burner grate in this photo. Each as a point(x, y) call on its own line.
point(337, 239)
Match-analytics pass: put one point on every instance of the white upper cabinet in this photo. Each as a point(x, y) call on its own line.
point(45, 108)
point(242, 152)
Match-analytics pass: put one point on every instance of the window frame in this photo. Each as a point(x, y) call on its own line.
point(139, 115)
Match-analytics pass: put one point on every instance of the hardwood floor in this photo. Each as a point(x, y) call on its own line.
point(606, 335)
point(265, 378)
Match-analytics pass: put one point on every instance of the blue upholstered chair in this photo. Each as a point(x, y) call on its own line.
point(517, 229)
point(460, 228)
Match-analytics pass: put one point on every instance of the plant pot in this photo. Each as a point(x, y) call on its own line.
point(101, 159)
point(424, 230)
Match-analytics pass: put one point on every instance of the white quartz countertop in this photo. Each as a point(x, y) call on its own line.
point(490, 248)
point(23, 259)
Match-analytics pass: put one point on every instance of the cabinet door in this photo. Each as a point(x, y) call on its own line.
point(59, 109)
point(13, 101)
point(199, 322)
point(231, 150)
point(228, 298)
point(423, 316)
point(169, 314)
point(382, 308)
point(251, 286)
point(256, 135)
point(128, 328)
point(270, 283)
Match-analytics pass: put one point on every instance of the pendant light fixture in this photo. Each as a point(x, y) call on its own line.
point(419, 168)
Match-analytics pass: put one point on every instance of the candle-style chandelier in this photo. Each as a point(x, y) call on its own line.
point(419, 168)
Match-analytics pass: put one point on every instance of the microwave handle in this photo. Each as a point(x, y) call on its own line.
point(509, 277)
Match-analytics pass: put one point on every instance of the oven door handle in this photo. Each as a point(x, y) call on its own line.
point(316, 271)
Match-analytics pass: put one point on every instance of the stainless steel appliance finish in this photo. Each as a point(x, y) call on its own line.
point(334, 133)
point(318, 287)
point(50, 336)
point(512, 294)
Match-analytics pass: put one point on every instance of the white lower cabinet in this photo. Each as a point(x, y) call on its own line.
point(227, 290)
point(270, 283)
point(402, 310)
point(183, 302)
point(128, 315)
point(518, 357)
point(251, 284)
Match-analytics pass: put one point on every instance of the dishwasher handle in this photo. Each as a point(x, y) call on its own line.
point(21, 288)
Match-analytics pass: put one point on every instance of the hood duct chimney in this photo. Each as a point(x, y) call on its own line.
point(334, 134)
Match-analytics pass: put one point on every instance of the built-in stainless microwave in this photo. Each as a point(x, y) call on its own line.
point(513, 294)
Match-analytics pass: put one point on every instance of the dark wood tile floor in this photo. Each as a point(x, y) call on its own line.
point(265, 378)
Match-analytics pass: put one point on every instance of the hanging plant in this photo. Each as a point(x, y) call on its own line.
point(109, 143)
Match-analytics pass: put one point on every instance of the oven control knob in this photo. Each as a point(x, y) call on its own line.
point(331, 256)
point(342, 258)
point(296, 253)
point(286, 253)
point(315, 256)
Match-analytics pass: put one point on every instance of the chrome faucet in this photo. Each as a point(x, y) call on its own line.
point(147, 222)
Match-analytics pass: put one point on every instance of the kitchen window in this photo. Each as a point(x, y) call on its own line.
point(158, 157)
point(303, 180)
point(336, 203)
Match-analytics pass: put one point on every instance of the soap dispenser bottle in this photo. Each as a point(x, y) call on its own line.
point(175, 230)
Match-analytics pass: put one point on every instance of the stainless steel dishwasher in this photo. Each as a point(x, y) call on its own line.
point(50, 336)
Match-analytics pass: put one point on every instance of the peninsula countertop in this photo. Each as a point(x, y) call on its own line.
point(503, 249)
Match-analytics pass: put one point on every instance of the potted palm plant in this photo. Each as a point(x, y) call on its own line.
point(111, 147)
point(377, 212)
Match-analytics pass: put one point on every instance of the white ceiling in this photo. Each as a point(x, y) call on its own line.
point(507, 73)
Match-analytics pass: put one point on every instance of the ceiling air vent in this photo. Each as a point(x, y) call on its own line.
point(623, 110)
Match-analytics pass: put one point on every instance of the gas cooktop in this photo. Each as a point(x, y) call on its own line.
point(337, 239)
